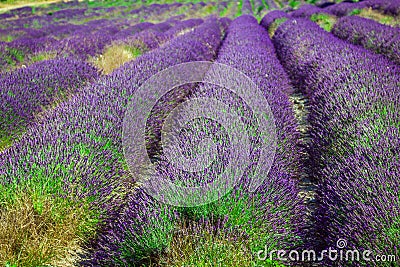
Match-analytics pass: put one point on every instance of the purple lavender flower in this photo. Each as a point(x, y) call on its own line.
point(246, 7)
point(305, 11)
point(371, 35)
point(26, 92)
point(271, 4)
point(345, 8)
point(268, 19)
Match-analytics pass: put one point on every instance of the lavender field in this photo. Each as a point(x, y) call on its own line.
point(199, 134)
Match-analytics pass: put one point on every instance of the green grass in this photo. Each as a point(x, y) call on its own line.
point(41, 56)
point(239, 10)
point(227, 12)
point(13, 57)
point(355, 11)
point(70, 219)
point(36, 24)
point(294, 4)
point(145, 245)
point(243, 212)
point(7, 38)
point(190, 242)
point(223, 12)
point(8, 137)
point(10, 3)
point(207, 10)
point(116, 55)
point(5, 142)
point(202, 247)
point(48, 226)
point(325, 21)
point(107, 4)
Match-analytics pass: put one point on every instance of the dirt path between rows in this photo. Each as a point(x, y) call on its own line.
point(307, 184)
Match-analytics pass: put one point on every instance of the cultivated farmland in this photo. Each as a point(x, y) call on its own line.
point(188, 133)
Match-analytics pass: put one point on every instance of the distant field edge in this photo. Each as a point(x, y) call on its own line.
point(6, 5)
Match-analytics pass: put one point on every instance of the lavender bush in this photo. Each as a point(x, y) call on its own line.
point(371, 35)
point(305, 11)
point(268, 19)
point(387, 6)
point(355, 134)
point(344, 9)
point(393, 8)
point(47, 81)
point(246, 7)
point(132, 30)
point(271, 4)
point(181, 28)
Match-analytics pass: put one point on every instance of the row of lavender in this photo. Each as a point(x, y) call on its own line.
point(248, 48)
point(307, 10)
point(371, 35)
point(345, 8)
point(354, 114)
point(27, 11)
point(381, 39)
